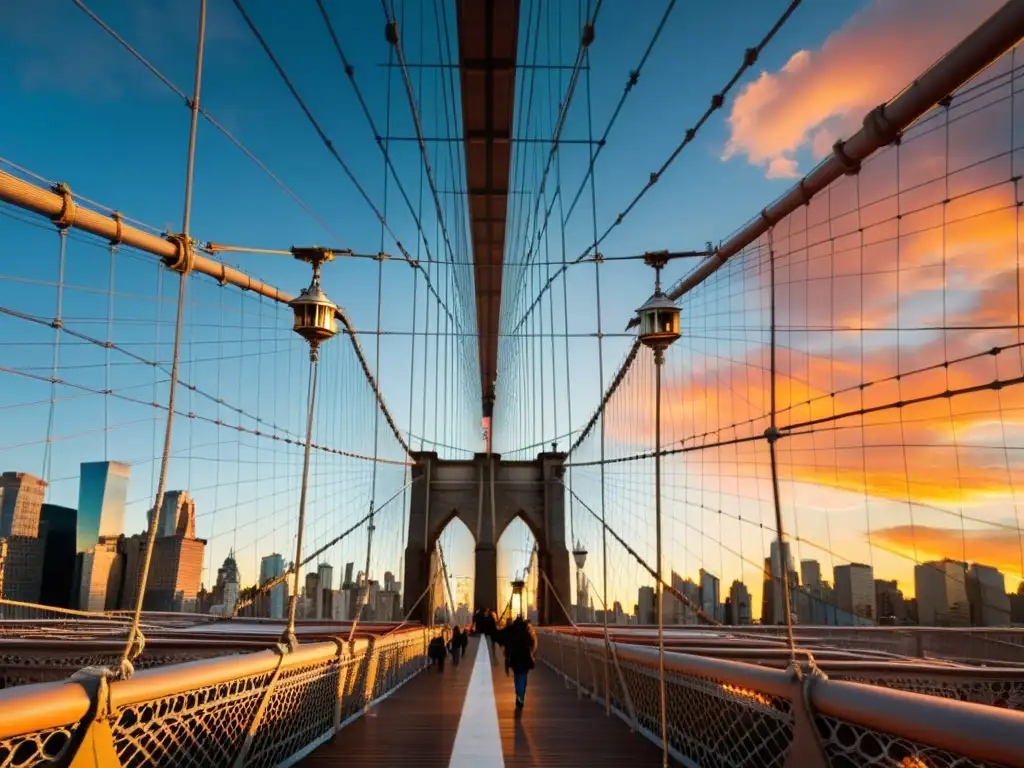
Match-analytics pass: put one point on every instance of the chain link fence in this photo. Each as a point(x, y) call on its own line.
point(727, 714)
point(259, 709)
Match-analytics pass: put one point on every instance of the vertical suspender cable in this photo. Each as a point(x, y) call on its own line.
point(376, 414)
point(600, 394)
point(183, 271)
point(772, 436)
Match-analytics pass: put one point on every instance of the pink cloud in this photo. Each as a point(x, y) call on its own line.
point(819, 96)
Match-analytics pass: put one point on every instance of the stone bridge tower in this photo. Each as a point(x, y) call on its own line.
point(486, 494)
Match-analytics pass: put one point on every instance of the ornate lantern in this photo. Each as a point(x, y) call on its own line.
point(517, 586)
point(659, 316)
point(579, 554)
point(315, 319)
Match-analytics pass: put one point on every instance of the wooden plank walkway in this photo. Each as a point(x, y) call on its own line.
point(415, 726)
point(556, 728)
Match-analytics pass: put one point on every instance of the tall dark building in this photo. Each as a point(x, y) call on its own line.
point(59, 526)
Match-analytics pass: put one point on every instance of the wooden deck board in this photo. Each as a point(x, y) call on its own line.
point(415, 726)
point(556, 728)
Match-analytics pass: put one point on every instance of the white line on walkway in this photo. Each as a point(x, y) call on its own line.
point(478, 741)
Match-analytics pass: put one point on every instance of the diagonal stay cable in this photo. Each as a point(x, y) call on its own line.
point(395, 39)
point(319, 130)
point(717, 101)
point(631, 82)
point(206, 115)
point(586, 38)
point(379, 139)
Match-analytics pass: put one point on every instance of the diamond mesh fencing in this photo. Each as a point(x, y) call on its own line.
point(259, 709)
point(734, 720)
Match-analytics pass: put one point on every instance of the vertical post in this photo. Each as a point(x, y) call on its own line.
point(289, 632)
point(659, 358)
point(184, 266)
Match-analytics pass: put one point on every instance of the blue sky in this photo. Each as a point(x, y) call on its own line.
point(85, 112)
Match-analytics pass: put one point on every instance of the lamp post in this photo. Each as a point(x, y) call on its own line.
point(517, 592)
point(659, 328)
point(315, 321)
point(579, 555)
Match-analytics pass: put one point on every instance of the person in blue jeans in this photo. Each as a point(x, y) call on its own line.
point(520, 642)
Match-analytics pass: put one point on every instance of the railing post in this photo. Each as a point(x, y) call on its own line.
point(805, 751)
point(93, 742)
point(343, 672)
point(373, 662)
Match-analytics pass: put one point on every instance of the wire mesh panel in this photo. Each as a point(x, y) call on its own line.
point(730, 719)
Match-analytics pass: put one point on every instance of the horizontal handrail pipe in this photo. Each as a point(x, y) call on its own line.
point(718, 706)
point(36, 708)
point(271, 707)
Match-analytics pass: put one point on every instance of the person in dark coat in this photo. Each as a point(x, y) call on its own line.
point(520, 641)
point(437, 652)
point(457, 645)
point(487, 625)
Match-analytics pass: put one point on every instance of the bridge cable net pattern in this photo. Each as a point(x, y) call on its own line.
point(897, 364)
point(90, 320)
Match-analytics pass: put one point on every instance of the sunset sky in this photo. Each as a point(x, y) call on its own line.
point(892, 285)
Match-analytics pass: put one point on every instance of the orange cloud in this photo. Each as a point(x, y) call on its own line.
point(998, 547)
point(820, 96)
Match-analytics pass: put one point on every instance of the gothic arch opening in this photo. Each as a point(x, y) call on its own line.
point(517, 561)
point(452, 593)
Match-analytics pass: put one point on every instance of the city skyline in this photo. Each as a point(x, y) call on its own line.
point(913, 485)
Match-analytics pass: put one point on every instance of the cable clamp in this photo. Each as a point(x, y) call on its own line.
point(68, 209)
point(391, 32)
point(118, 237)
point(588, 35)
point(805, 195)
point(850, 166)
point(878, 128)
point(184, 259)
point(772, 434)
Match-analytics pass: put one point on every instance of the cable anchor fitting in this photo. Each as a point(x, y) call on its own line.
point(184, 258)
point(118, 237)
point(68, 209)
point(588, 35)
point(850, 166)
point(878, 128)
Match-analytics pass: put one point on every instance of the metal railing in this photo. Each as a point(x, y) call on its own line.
point(727, 714)
point(268, 708)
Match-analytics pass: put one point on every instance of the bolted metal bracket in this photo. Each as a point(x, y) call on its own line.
point(805, 751)
point(184, 259)
point(92, 744)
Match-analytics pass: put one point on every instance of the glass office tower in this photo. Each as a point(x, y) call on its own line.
point(102, 494)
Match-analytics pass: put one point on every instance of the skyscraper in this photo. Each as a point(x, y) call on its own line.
point(739, 597)
point(986, 590)
point(645, 606)
point(102, 493)
point(271, 567)
point(177, 515)
point(21, 500)
point(776, 567)
point(942, 594)
point(225, 592)
point(810, 576)
point(710, 601)
point(889, 601)
point(855, 589)
point(348, 575)
point(58, 525)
